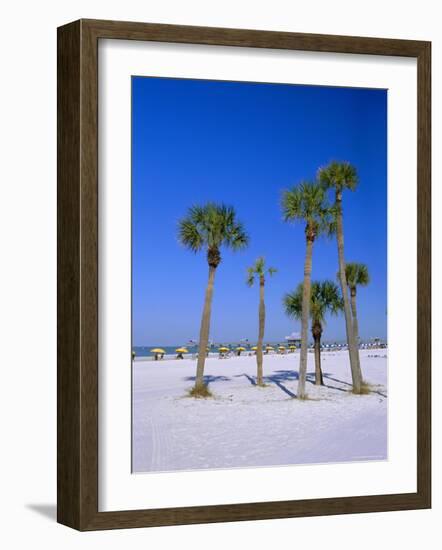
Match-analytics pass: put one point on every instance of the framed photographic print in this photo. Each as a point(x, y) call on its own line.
point(243, 274)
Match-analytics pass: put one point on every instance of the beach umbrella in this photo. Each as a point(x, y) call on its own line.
point(239, 349)
point(270, 348)
point(254, 348)
point(223, 349)
point(180, 352)
point(157, 352)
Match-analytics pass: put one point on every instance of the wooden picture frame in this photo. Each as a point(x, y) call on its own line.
point(77, 225)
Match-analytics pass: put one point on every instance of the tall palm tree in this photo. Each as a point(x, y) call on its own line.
point(356, 275)
point(325, 298)
point(210, 227)
point(340, 176)
point(307, 203)
point(259, 270)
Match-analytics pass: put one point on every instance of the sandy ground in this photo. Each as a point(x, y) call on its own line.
point(245, 426)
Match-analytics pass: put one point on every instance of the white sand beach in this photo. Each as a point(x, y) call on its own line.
point(247, 426)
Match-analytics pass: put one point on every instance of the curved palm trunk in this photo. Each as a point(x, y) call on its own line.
point(262, 316)
point(304, 319)
point(204, 331)
point(352, 346)
point(317, 333)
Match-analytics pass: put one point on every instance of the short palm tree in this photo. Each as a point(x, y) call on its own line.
point(259, 270)
point(340, 176)
point(325, 298)
point(356, 275)
point(210, 227)
point(307, 203)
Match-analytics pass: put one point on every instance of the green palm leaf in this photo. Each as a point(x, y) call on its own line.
point(325, 298)
point(356, 274)
point(212, 226)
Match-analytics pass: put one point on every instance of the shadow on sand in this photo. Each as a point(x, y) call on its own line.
point(277, 379)
point(208, 379)
point(281, 376)
point(350, 386)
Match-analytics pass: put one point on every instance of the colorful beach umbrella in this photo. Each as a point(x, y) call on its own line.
point(157, 350)
point(223, 349)
point(182, 350)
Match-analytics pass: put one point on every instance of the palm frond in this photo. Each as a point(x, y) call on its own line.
point(189, 234)
point(211, 226)
point(235, 236)
point(292, 302)
point(325, 298)
point(357, 274)
point(259, 269)
point(338, 176)
point(308, 203)
point(250, 276)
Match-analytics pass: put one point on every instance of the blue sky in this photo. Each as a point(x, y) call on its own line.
point(240, 143)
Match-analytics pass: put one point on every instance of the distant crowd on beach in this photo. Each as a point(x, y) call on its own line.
point(228, 351)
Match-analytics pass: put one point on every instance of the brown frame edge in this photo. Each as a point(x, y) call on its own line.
point(77, 279)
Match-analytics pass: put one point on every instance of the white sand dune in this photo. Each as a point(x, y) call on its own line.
point(247, 426)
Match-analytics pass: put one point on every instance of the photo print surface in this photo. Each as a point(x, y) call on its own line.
point(259, 274)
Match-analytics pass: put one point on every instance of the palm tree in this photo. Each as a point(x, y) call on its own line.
point(356, 275)
point(307, 203)
point(325, 298)
point(341, 176)
point(259, 270)
point(209, 227)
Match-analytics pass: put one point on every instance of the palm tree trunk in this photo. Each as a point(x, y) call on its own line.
point(354, 314)
point(316, 333)
point(304, 319)
point(205, 329)
point(352, 347)
point(262, 316)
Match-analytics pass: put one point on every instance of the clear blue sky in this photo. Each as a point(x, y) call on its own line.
point(240, 143)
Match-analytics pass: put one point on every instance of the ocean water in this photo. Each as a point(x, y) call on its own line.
point(144, 351)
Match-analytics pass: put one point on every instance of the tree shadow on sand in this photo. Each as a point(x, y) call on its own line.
point(208, 379)
point(327, 375)
point(276, 379)
point(282, 376)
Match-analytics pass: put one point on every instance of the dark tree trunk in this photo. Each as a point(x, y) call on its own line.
point(352, 347)
point(317, 333)
point(354, 314)
point(304, 320)
point(262, 316)
point(205, 329)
